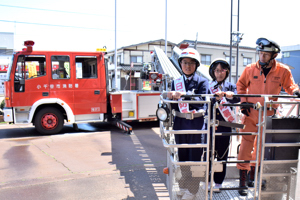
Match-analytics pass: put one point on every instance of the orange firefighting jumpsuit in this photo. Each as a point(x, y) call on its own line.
point(253, 81)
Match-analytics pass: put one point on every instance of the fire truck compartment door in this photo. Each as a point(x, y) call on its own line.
point(147, 105)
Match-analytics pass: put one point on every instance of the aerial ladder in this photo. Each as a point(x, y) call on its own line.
point(169, 67)
point(277, 177)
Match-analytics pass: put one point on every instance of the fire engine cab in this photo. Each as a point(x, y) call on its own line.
point(48, 88)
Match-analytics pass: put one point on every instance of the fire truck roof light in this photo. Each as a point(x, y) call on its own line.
point(28, 43)
point(101, 49)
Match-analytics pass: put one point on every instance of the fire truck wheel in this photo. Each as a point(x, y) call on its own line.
point(49, 121)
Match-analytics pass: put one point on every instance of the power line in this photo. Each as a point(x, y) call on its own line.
point(54, 10)
point(56, 25)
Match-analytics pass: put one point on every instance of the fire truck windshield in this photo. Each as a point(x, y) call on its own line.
point(9, 67)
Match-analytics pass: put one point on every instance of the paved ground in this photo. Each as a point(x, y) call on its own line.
point(82, 165)
point(101, 163)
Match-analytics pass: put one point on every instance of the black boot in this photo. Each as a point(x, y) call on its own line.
point(251, 177)
point(263, 185)
point(243, 180)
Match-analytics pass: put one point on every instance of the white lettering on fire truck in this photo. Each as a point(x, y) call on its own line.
point(58, 86)
point(95, 109)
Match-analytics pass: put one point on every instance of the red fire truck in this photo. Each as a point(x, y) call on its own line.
point(49, 88)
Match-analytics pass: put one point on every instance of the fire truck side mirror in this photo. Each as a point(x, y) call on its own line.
point(22, 81)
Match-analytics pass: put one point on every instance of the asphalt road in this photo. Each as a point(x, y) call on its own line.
point(98, 161)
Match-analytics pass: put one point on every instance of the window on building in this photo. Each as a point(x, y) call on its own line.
point(86, 67)
point(285, 54)
point(60, 67)
point(119, 59)
point(232, 60)
point(112, 59)
point(136, 59)
point(247, 61)
point(205, 59)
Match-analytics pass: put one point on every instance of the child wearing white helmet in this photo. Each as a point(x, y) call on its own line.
point(219, 71)
point(189, 61)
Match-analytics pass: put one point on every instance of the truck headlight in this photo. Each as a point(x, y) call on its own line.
point(163, 113)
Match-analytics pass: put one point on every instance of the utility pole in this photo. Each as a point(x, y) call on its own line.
point(166, 41)
point(195, 46)
point(230, 56)
point(237, 45)
point(116, 55)
point(237, 39)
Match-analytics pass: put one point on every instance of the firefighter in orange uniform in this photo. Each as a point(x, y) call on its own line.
point(266, 76)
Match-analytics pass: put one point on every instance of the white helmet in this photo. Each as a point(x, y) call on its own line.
point(214, 64)
point(190, 53)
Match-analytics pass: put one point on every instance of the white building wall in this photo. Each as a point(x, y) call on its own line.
point(222, 52)
point(6, 49)
point(126, 57)
point(6, 40)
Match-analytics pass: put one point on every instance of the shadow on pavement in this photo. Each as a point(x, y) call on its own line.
point(141, 157)
point(13, 131)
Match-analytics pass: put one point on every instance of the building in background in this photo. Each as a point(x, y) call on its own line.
point(6, 52)
point(138, 54)
point(291, 57)
point(130, 62)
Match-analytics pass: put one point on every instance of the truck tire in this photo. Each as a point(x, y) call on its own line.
point(49, 121)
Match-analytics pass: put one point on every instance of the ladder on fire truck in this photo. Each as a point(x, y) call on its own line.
point(277, 170)
point(170, 68)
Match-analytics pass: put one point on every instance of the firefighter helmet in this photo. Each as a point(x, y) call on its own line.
point(214, 64)
point(190, 53)
point(264, 44)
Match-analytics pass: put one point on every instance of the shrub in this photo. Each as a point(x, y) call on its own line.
point(2, 105)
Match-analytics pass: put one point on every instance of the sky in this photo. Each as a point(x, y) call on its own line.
point(65, 25)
